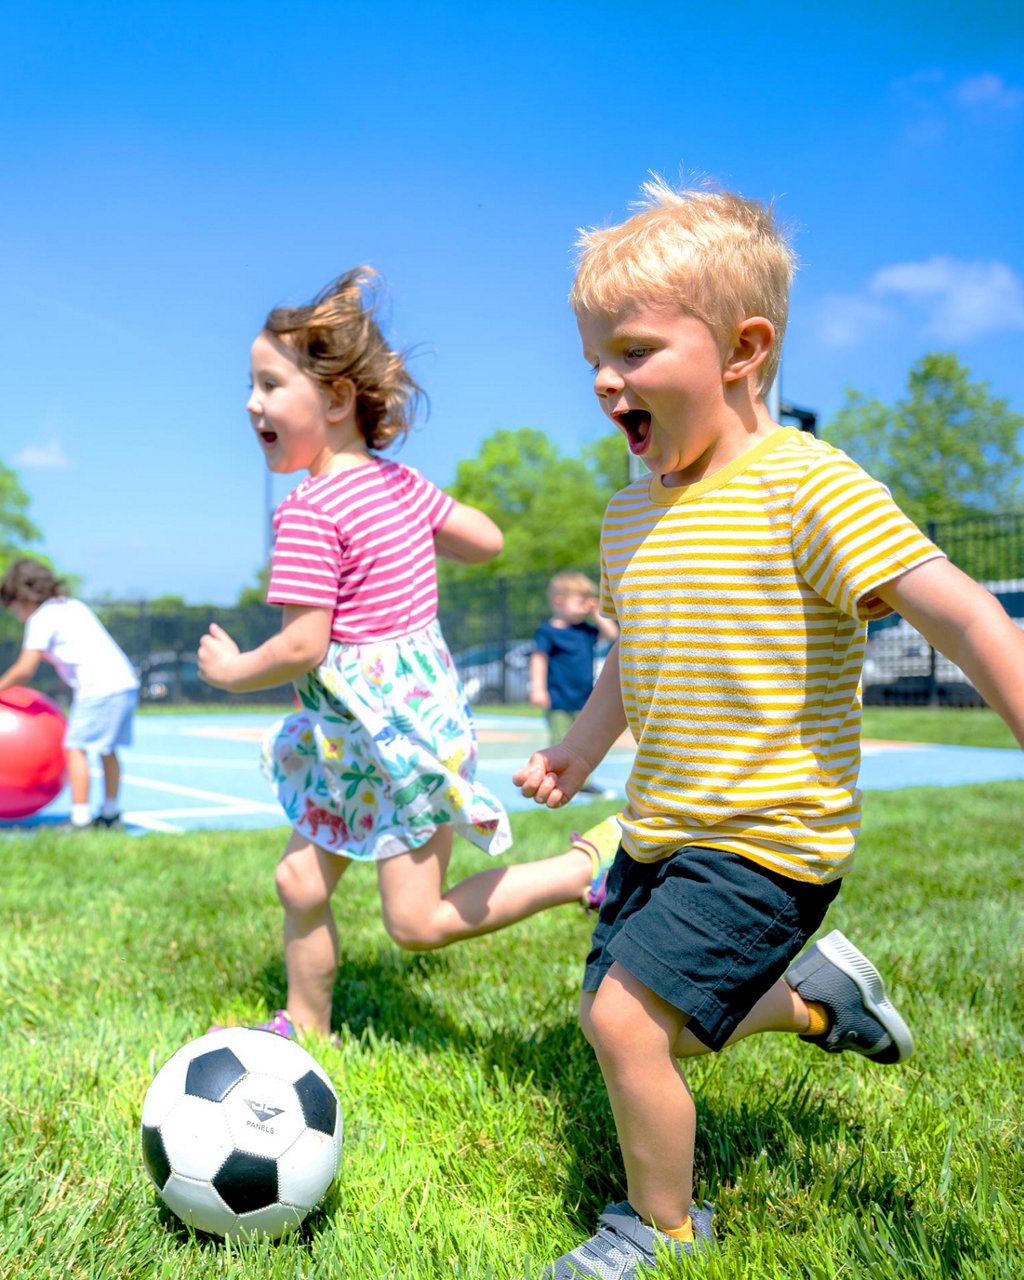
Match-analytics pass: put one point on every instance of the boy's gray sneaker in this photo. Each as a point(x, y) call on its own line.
point(624, 1241)
point(835, 974)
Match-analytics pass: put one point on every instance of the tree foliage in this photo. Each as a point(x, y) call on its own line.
point(549, 506)
point(17, 531)
point(949, 450)
point(256, 592)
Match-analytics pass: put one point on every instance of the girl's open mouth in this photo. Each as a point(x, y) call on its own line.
point(268, 437)
point(636, 423)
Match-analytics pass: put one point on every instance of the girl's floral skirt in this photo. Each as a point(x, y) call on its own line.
point(382, 752)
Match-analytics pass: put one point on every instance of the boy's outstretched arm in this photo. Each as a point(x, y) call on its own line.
point(967, 623)
point(554, 775)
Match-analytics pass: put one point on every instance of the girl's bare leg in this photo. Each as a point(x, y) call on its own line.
point(305, 878)
point(420, 916)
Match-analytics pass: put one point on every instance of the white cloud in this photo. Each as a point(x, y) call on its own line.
point(941, 298)
point(845, 318)
point(932, 103)
point(987, 90)
point(44, 457)
point(959, 300)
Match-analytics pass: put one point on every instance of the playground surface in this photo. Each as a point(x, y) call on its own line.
point(192, 771)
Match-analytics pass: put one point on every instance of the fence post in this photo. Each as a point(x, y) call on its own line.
point(933, 689)
point(503, 634)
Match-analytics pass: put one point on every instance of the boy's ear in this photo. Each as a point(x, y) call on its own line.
point(343, 401)
point(754, 338)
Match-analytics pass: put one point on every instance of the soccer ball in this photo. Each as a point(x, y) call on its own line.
point(241, 1133)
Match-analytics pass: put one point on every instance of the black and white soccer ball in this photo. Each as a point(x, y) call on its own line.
point(241, 1133)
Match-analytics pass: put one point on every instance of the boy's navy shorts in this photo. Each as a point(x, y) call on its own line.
point(707, 930)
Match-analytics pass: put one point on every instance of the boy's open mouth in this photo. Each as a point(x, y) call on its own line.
point(268, 437)
point(636, 423)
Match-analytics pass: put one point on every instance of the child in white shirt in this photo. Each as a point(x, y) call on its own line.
point(66, 633)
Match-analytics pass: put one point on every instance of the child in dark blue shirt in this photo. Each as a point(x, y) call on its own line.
point(562, 663)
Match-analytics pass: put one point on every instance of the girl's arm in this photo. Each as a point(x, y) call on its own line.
point(554, 775)
point(298, 647)
point(468, 536)
point(23, 668)
point(969, 625)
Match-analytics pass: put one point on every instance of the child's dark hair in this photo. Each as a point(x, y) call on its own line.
point(29, 582)
point(336, 338)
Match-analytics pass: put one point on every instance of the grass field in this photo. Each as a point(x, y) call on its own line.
point(478, 1137)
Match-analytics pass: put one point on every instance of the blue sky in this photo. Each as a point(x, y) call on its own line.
point(171, 172)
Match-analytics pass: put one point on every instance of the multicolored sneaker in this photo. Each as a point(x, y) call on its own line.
point(833, 973)
point(600, 843)
point(280, 1024)
point(624, 1241)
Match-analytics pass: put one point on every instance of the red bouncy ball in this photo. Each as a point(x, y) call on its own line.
point(31, 752)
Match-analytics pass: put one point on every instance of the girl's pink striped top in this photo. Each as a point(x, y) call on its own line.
point(361, 543)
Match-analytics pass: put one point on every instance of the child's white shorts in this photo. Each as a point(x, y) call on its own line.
point(101, 724)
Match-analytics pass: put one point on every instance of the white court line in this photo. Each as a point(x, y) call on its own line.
point(173, 788)
point(211, 811)
point(212, 762)
point(150, 823)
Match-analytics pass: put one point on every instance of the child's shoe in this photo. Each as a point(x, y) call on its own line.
point(600, 843)
point(624, 1241)
point(281, 1025)
point(833, 973)
point(103, 823)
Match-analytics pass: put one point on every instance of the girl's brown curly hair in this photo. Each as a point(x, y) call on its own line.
point(336, 338)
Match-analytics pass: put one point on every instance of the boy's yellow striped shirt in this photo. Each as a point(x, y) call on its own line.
point(743, 603)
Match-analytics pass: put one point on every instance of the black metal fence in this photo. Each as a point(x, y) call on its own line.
point(901, 668)
point(489, 624)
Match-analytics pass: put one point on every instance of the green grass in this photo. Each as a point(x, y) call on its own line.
point(959, 727)
point(478, 1138)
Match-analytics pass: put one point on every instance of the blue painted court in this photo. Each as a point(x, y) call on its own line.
point(190, 771)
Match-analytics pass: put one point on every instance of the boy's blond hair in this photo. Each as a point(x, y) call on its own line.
point(568, 580)
point(716, 255)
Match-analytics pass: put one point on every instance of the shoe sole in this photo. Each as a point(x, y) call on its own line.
point(837, 948)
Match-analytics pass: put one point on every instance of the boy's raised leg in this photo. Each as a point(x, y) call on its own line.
point(833, 974)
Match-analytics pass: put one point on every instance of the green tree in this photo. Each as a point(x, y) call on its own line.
point(549, 506)
point(16, 529)
point(256, 592)
point(947, 451)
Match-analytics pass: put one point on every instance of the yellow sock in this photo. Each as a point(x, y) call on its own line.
point(682, 1233)
point(818, 1020)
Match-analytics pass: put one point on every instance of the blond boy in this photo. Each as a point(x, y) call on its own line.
point(742, 572)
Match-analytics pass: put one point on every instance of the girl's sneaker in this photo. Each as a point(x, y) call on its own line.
point(281, 1025)
point(600, 843)
point(833, 973)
